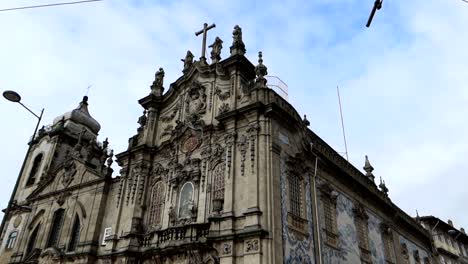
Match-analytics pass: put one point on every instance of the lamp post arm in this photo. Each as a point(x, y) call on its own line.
point(39, 117)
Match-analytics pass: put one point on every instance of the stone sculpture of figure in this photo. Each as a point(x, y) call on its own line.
point(188, 61)
point(157, 87)
point(216, 50)
point(158, 77)
point(172, 214)
point(142, 120)
point(238, 46)
point(196, 102)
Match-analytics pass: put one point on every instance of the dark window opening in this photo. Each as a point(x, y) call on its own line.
point(34, 169)
point(32, 240)
point(55, 228)
point(75, 235)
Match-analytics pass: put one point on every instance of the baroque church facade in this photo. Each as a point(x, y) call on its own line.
point(221, 170)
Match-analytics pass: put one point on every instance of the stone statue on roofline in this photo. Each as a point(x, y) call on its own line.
point(157, 88)
point(238, 46)
point(216, 50)
point(188, 61)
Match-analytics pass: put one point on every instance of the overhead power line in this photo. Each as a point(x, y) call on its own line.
point(48, 5)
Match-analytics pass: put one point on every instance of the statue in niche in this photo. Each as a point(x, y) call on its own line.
point(172, 215)
point(216, 50)
point(188, 61)
point(196, 102)
point(186, 203)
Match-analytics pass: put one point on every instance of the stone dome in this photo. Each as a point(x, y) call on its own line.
point(81, 116)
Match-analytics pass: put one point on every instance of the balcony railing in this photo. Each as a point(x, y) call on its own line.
point(176, 235)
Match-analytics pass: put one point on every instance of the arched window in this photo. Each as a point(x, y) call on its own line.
point(11, 240)
point(55, 228)
point(157, 204)
point(75, 234)
point(186, 200)
point(32, 240)
point(218, 187)
point(34, 169)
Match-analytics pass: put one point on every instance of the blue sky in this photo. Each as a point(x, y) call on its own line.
point(402, 81)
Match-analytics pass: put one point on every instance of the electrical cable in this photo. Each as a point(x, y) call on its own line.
point(48, 5)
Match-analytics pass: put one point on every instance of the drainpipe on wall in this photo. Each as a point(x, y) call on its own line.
point(315, 208)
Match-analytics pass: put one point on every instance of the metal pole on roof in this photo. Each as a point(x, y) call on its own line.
point(342, 123)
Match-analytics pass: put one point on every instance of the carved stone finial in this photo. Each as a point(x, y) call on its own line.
point(260, 70)
point(157, 87)
point(216, 50)
point(238, 46)
point(110, 159)
point(368, 169)
point(305, 121)
point(105, 143)
point(383, 187)
point(188, 61)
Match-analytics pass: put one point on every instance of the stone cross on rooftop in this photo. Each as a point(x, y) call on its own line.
point(204, 31)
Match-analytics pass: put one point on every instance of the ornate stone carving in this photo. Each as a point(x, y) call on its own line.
point(157, 88)
point(158, 172)
point(172, 215)
point(194, 257)
point(224, 108)
point(383, 187)
point(238, 46)
point(327, 191)
point(205, 154)
point(188, 61)
point(62, 197)
point(190, 144)
point(142, 121)
point(242, 144)
point(227, 249)
point(77, 148)
point(216, 50)
point(167, 131)
point(368, 169)
point(360, 211)
point(172, 113)
point(404, 252)
point(222, 95)
point(189, 170)
point(251, 245)
point(195, 104)
point(261, 71)
point(229, 139)
point(135, 182)
point(69, 171)
point(110, 159)
point(253, 131)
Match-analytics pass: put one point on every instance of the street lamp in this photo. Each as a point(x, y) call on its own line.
point(14, 97)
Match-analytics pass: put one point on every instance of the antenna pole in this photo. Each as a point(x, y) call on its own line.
point(342, 123)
